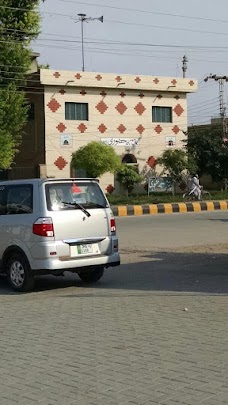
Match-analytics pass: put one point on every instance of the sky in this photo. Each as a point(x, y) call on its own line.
point(142, 37)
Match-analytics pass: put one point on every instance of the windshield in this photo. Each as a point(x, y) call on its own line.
point(73, 195)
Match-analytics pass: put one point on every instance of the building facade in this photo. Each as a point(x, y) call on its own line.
point(139, 116)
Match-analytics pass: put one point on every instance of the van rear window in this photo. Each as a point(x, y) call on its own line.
point(70, 195)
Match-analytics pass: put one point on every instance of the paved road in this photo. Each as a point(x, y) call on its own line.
point(154, 331)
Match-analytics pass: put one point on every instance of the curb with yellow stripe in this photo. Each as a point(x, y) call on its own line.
point(153, 209)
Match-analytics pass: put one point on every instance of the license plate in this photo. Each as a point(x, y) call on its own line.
point(85, 249)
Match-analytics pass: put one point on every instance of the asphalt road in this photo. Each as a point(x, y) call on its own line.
point(173, 230)
point(153, 331)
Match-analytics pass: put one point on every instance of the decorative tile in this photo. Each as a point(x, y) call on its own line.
point(141, 95)
point(53, 105)
point(137, 79)
point(178, 110)
point(78, 76)
point(191, 82)
point(118, 79)
point(140, 129)
point(176, 97)
point(60, 163)
point(101, 107)
point(174, 82)
point(56, 75)
point(103, 93)
point(102, 128)
point(176, 129)
point(98, 77)
point(61, 127)
point(83, 92)
point(82, 128)
point(152, 161)
point(122, 94)
point(121, 108)
point(62, 92)
point(158, 129)
point(121, 128)
point(110, 189)
point(139, 108)
point(159, 96)
point(156, 80)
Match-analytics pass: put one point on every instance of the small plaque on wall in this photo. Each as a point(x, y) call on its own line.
point(66, 140)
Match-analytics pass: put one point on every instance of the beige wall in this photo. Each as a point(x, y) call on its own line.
point(141, 91)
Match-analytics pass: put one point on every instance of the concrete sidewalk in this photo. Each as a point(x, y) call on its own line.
point(153, 209)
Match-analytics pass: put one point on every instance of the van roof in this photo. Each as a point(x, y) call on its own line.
point(47, 180)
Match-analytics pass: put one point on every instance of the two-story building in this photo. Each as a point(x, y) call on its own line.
point(139, 116)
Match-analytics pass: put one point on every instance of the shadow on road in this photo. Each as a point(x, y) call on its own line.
point(158, 271)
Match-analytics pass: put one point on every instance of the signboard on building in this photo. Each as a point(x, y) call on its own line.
point(66, 140)
point(121, 141)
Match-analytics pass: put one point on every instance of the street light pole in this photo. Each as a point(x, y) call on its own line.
point(83, 18)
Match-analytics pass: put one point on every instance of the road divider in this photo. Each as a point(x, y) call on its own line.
point(168, 208)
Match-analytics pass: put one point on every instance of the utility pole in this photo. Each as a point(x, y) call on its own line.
point(184, 65)
point(83, 18)
point(222, 108)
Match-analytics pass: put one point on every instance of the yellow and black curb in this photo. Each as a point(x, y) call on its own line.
point(153, 209)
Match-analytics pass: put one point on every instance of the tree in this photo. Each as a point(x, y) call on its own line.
point(206, 145)
point(128, 176)
point(95, 158)
point(19, 25)
point(177, 163)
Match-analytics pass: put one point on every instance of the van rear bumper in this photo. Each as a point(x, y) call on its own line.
point(68, 263)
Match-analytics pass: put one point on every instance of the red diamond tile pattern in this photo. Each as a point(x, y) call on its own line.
point(141, 95)
point(83, 92)
point(156, 80)
point(140, 129)
point(60, 163)
point(62, 91)
point(137, 79)
point(191, 82)
point(152, 161)
point(118, 78)
point(176, 129)
point(178, 110)
point(158, 129)
point(98, 77)
point(102, 128)
point(53, 105)
point(122, 94)
point(56, 75)
point(121, 108)
point(139, 108)
point(103, 93)
point(121, 128)
point(61, 127)
point(78, 76)
point(174, 82)
point(101, 107)
point(82, 128)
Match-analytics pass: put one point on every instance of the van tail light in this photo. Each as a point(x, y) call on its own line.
point(113, 225)
point(43, 227)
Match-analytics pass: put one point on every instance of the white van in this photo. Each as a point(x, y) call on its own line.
point(49, 226)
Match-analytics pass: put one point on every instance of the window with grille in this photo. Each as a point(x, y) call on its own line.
point(162, 114)
point(76, 111)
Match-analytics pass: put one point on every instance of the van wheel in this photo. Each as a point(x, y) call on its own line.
point(91, 276)
point(19, 273)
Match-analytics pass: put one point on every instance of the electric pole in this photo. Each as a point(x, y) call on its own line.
point(184, 65)
point(222, 107)
point(83, 18)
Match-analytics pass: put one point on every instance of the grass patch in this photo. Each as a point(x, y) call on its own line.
point(156, 198)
